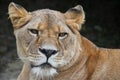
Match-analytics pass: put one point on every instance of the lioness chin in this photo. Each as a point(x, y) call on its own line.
point(49, 44)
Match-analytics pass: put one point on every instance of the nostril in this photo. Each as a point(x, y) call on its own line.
point(48, 52)
point(54, 51)
point(42, 50)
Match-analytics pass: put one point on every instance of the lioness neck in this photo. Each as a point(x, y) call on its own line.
point(84, 65)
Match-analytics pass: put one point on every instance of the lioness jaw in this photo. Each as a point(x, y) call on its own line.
point(49, 44)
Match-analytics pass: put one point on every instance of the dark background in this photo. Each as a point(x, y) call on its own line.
point(102, 24)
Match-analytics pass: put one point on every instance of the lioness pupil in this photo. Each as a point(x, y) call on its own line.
point(62, 34)
point(34, 31)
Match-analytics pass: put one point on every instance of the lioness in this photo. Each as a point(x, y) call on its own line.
point(49, 44)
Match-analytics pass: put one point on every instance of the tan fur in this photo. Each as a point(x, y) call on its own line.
point(77, 57)
point(19, 16)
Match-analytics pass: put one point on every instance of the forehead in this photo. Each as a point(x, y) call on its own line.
point(47, 19)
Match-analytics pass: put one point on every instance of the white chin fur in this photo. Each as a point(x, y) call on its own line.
point(38, 73)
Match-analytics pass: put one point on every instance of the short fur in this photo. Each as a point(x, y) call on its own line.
point(77, 58)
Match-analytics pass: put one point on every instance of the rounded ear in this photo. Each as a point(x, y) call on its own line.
point(18, 15)
point(75, 16)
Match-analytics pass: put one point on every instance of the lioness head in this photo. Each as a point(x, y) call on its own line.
point(46, 39)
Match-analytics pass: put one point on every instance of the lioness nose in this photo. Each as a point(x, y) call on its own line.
point(48, 52)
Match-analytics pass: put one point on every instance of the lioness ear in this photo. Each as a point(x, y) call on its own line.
point(75, 16)
point(18, 15)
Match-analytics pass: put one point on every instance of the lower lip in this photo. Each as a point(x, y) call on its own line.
point(44, 65)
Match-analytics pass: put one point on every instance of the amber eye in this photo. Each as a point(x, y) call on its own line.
point(63, 35)
point(33, 31)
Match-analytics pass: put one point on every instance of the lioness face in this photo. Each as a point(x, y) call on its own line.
point(46, 38)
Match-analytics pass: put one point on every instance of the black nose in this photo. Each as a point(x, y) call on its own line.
point(48, 52)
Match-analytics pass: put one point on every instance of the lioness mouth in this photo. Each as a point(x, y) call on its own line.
point(44, 65)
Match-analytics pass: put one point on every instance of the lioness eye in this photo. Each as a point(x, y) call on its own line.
point(62, 35)
point(34, 31)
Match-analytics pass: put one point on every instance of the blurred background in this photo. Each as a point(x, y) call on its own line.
point(102, 25)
